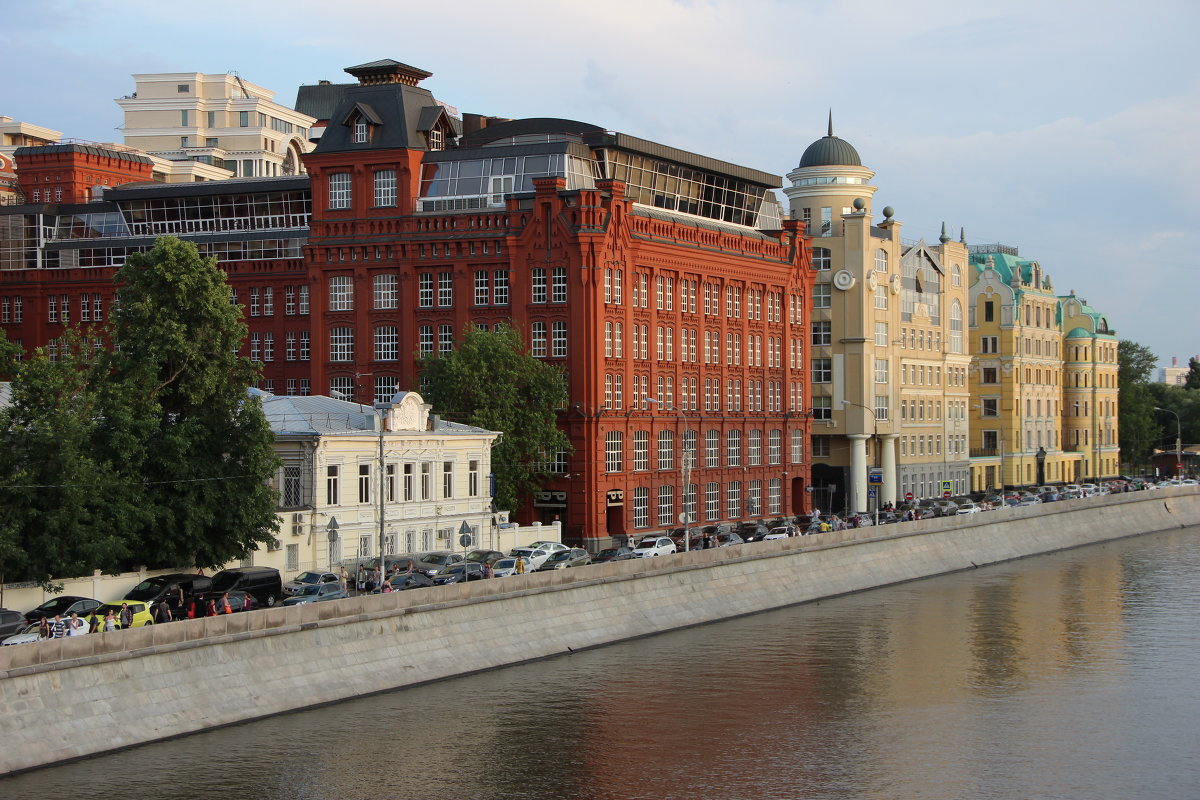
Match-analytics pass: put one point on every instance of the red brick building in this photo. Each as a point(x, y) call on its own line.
point(664, 282)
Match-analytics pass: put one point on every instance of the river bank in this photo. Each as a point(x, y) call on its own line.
point(70, 698)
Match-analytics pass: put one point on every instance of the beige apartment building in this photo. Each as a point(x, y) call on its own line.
point(888, 355)
point(222, 122)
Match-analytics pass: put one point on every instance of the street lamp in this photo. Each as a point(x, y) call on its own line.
point(1178, 441)
point(875, 446)
point(684, 472)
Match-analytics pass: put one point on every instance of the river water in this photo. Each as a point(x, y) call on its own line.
point(1072, 675)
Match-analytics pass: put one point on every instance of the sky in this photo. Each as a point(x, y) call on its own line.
point(1068, 129)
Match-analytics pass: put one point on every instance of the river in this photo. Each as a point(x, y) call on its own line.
point(1072, 675)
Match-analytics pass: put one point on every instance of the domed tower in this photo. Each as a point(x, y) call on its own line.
point(828, 180)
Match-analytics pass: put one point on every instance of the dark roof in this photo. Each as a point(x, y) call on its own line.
point(528, 127)
point(531, 149)
point(388, 66)
point(399, 108)
point(830, 151)
point(154, 189)
point(319, 101)
point(87, 149)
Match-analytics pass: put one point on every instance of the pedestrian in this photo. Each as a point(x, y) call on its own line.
point(226, 607)
point(162, 612)
point(360, 578)
point(345, 579)
point(75, 626)
point(211, 609)
point(520, 565)
point(410, 567)
point(126, 616)
point(110, 621)
point(487, 570)
point(95, 623)
point(387, 587)
point(44, 629)
point(58, 628)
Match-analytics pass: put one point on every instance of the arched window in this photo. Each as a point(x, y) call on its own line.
point(956, 327)
point(956, 275)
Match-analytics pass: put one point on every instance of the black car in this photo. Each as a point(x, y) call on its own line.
point(177, 588)
point(238, 601)
point(11, 622)
point(63, 605)
point(488, 557)
point(753, 531)
point(727, 539)
point(409, 580)
point(613, 554)
point(459, 573)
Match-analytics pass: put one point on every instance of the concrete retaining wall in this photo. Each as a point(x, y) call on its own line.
point(74, 697)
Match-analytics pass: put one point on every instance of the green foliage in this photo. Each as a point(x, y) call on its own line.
point(1193, 377)
point(152, 453)
point(490, 381)
point(1135, 363)
point(1140, 430)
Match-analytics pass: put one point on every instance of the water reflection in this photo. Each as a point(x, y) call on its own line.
point(1068, 676)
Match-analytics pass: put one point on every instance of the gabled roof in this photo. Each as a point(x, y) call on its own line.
point(360, 109)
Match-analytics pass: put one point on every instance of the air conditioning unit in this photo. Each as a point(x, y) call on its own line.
point(274, 544)
point(297, 530)
point(298, 517)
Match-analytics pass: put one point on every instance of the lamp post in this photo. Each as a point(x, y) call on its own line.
point(684, 472)
point(1178, 441)
point(875, 446)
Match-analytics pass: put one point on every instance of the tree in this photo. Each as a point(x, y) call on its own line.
point(490, 381)
point(182, 417)
point(1193, 377)
point(1140, 430)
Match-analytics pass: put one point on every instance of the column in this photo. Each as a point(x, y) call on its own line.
point(858, 471)
point(888, 493)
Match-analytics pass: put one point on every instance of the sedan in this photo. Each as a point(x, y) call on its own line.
point(432, 563)
point(30, 633)
point(238, 601)
point(461, 572)
point(575, 557)
point(727, 539)
point(613, 554)
point(780, 532)
point(968, 508)
point(485, 556)
point(308, 579)
point(653, 546)
point(316, 593)
point(63, 605)
point(505, 567)
point(409, 580)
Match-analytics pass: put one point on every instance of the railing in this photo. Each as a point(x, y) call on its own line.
point(984, 452)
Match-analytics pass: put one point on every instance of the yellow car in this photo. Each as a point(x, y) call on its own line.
point(141, 614)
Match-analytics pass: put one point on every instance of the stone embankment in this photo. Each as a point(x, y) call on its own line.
point(75, 697)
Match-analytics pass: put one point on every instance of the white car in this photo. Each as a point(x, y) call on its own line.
point(653, 546)
point(505, 567)
point(780, 532)
point(27, 635)
point(536, 554)
point(968, 508)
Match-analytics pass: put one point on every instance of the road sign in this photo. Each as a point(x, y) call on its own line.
point(875, 476)
point(872, 492)
point(947, 487)
point(946, 494)
point(908, 496)
point(465, 539)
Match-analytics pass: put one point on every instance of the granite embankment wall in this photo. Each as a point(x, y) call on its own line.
point(75, 697)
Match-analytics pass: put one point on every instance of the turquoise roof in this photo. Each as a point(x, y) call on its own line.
point(1077, 332)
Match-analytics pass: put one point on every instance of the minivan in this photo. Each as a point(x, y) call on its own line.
point(264, 584)
point(176, 588)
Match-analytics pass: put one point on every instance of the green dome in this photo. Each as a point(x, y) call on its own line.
point(1079, 333)
point(830, 151)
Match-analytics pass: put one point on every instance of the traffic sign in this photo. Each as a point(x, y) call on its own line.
point(465, 539)
point(875, 476)
point(872, 492)
point(947, 487)
point(946, 494)
point(908, 496)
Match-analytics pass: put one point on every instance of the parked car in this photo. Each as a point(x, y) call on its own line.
point(535, 556)
point(888, 517)
point(64, 605)
point(177, 588)
point(238, 600)
point(779, 532)
point(505, 567)
point(945, 508)
point(967, 508)
point(484, 556)
point(613, 554)
point(727, 539)
point(24, 635)
point(309, 579)
point(141, 613)
point(653, 546)
point(11, 622)
point(409, 580)
point(753, 531)
point(459, 572)
point(316, 593)
point(432, 563)
point(264, 583)
point(575, 557)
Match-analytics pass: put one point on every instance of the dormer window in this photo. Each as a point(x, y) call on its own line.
point(437, 140)
point(360, 131)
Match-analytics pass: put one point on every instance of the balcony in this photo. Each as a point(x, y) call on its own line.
point(985, 452)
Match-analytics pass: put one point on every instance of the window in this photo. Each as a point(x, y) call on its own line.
point(426, 480)
point(341, 344)
point(822, 333)
point(666, 449)
point(269, 301)
point(614, 451)
point(822, 258)
point(359, 135)
point(754, 449)
point(481, 288)
point(387, 343)
point(641, 507)
point(882, 407)
point(822, 295)
point(445, 339)
point(559, 282)
point(385, 291)
point(775, 447)
point(773, 495)
point(364, 483)
point(341, 293)
point(268, 346)
point(733, 500)
point(881, 370)
point(304, 345)
point(956, 327)
point(712, 501)
point(537, 332)
point(991, 406)
point(666, 505)
point(386, 387)
point(303, 300)
point(989, 344)
point(425, 290)
point(538, 285)
point(500, 287)
point(473, 478)
point(332, 495)
point(559, 339)
point(733, 449)
point(641, 447)
point(385, 187)
point(339, 190)
point(881, 334)
point(881, 297)
point(989, 311)
point(445, 289)
point(292, 487)
point(447, 479)
point(820, 446)
point(822, 370)
point(881, 260)
point(822, 408)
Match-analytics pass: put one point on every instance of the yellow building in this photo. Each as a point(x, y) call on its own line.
point(1090, 425)
point(1033, 397)
point(887, 348)
point(222, 122)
